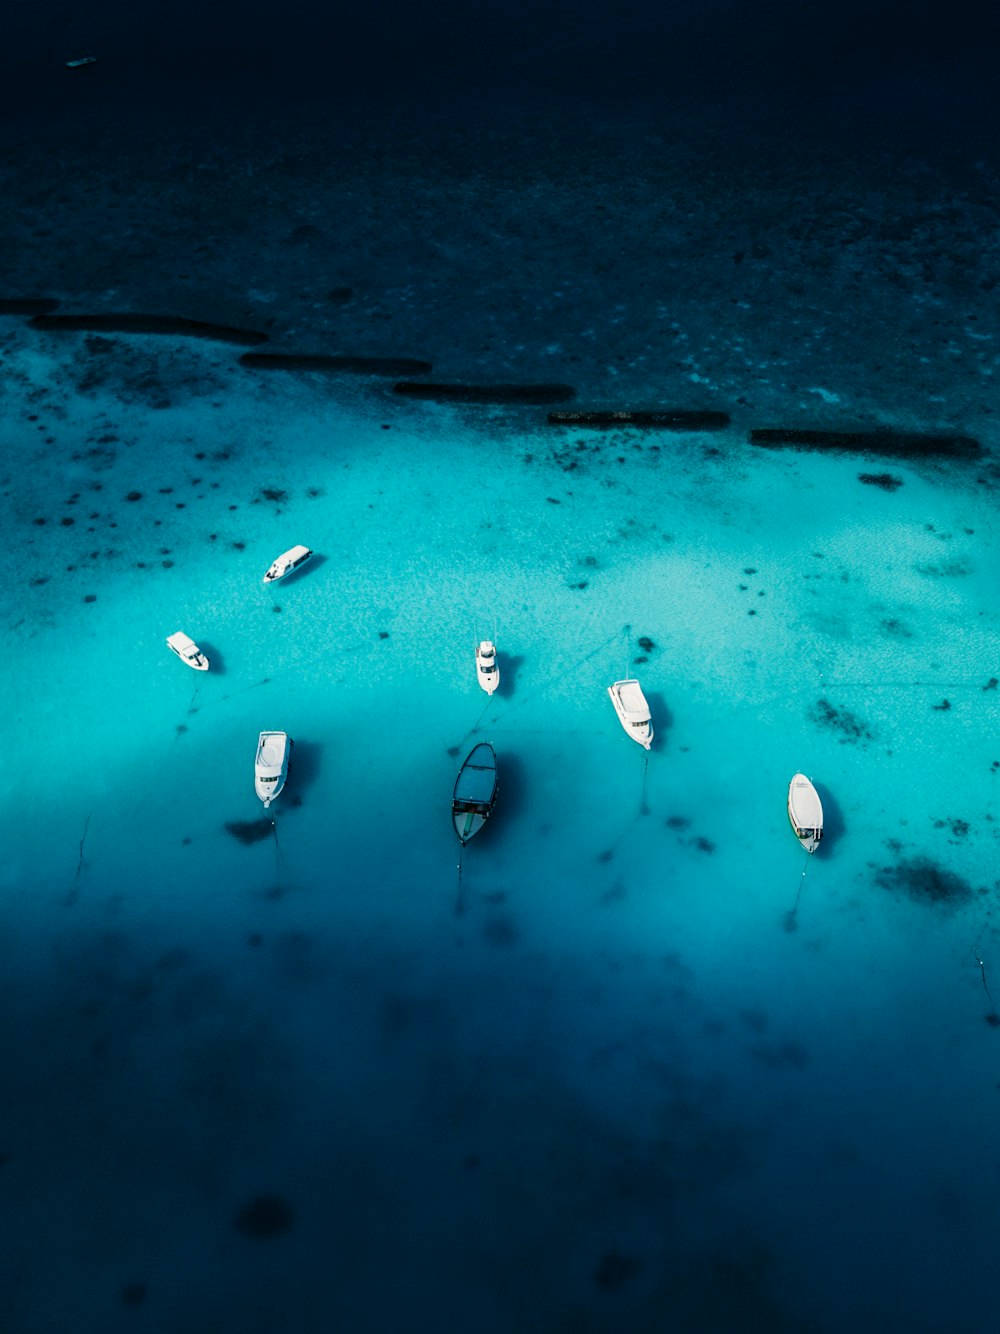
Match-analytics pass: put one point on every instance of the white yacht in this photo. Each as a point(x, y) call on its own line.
point(271, 766)
point(187, 650)
point(805, 811)
point(633, 711)
point(486, 665)
point(293, 559)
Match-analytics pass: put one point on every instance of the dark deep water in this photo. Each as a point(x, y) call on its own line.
point(611, 1080)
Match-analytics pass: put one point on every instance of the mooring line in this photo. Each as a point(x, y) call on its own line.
point(83, 839)
point(459, 899)
point(982, 970)
point(791, 915)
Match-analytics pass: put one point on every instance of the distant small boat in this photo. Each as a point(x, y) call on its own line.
point(475, 791)
point(486, 666)
point(187, 650)
point(633, 711)
point(271, 765)
point(805, 811)
point(292, 559)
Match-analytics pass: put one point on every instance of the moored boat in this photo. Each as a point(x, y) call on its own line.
point(271, 765)
point(805, 812)
point(292, 559)
point(475, 791)
point(633, 711)
point(187, 650)
point(487, 668)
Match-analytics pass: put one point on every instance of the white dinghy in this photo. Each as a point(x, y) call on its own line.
point(293, 559)
point(805, 812)
point(487, 669)
point(475, 791)
point(187, 650)
point(633, 711)
point(271, 765)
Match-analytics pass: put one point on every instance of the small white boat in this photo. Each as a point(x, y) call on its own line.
point(475, 791)
point(292, 559)
point(486, 665)
point(187, 650)
point(805, 811)
point(271, 766)
point(633, 711)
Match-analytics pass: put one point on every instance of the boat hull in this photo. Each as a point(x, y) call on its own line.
point(632, 710)
point(287, 564)
point(188, 651)
point(475, 792)
point(271, 765)
point(487, 670)
point(805, 812)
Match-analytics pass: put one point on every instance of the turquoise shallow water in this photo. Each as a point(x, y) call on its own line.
point(630, 1061)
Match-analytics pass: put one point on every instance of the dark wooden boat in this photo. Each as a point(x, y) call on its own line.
point(475, 791)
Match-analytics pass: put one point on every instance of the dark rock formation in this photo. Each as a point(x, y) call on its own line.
point(487, 393)
point(899, 444)
point(301, 361)
point(664, 419)
point(125, 322)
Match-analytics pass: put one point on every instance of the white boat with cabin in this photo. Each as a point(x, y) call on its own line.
point(187, 650)
point(475, 791)
point(805, 812)
point(293, 559)
point(487, 669)
point(271, 765)
point(633, 711)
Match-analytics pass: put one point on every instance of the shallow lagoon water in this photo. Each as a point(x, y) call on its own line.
point(629, 1068)
point(630, 1058)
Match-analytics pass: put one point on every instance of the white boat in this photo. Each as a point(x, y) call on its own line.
point(475, 791)
point(486, 665)
point(271, 766)
point(187, 650)
point(293, 559)
point(633, 711)
point(805, 811)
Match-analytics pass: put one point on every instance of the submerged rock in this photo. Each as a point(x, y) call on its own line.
point(486, 393)
point(302, 361)
point(909, 444)
point(126, 322)
point(664, 419)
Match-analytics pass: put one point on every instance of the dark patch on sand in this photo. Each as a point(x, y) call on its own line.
point(850, 726)
point(485, 393)
point(614, 1270)
point(128, 323)
point(27, 305)
point(250, 831)
point(885, 481)
point(903, 444)
point(664, 419)
point(134, 1294)
point(293, 361)
point(924, 881)
point(265, 1217)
